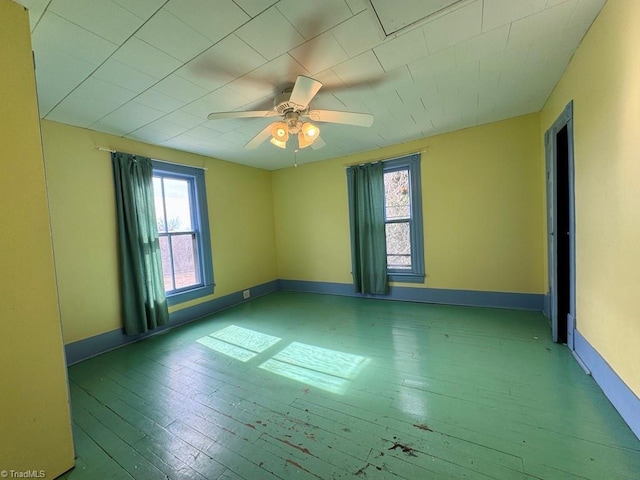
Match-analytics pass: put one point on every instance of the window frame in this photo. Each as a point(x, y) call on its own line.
point(417, 272)
point(200, 227)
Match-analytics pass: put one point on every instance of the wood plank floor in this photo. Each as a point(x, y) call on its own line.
point(302, 386)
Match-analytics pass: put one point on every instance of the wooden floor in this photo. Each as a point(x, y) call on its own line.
point(323, 387)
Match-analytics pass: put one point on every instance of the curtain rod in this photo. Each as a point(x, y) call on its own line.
point(361, 164)
point(105, 149)
point(357, 164)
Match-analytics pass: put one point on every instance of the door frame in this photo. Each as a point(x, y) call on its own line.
point(565, 119)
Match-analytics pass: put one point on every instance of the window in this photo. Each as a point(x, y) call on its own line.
point(183, 230)
point(403, 219)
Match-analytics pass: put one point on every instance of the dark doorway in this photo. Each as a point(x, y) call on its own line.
point(563, 229)
point(561, 306)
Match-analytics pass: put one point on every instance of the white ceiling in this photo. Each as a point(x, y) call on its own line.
point(153, 70)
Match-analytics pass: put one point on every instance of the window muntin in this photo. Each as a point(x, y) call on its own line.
point(182, 222)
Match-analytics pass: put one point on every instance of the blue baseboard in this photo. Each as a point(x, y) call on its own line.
point(471, 298)
point(619, 394)
point(92, 346)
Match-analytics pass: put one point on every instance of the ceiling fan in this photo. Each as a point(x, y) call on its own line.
point(293, 106)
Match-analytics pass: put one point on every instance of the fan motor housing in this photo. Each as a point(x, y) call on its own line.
point(282, 105)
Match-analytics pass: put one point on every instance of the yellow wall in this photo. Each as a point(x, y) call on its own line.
point(603, 80)
point(35, 425)
point(483, 204)
point(80, 182)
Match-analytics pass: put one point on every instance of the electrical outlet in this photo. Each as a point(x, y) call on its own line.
point(246, 294)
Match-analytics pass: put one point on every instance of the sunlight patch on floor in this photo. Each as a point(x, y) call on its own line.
point(240, 343)
point(323, 368)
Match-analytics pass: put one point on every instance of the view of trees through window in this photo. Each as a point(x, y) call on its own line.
point(397, 196)
point(178, 247)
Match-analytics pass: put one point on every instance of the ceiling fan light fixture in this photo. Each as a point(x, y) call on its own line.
point(303, 141)
point(310, 131)
point(279, 134)
point(278, 143)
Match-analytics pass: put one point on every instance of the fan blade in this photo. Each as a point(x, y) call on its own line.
point(304, 90)
point(256, 141)
point(348, 118)
point(318, 143)
point(257, 113)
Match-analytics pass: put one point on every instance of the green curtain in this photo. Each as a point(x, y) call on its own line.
point(144, 304)
point(368, 239)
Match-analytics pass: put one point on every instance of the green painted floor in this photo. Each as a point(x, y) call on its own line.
point(303, 386)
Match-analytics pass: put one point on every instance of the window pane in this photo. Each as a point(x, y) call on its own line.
point(166, 264)
point(159, 204)
point(397, 262)
point(398, 245)
point(184, 262)
point(397, 196)
point(178, 204)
